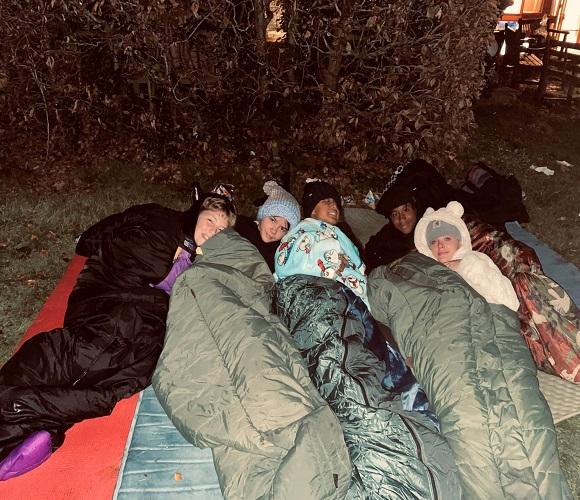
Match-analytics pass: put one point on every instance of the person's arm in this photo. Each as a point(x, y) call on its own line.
point(136, 247)
point(89, 243)
point(486, 278)
point(181, 263)
point(387, 246)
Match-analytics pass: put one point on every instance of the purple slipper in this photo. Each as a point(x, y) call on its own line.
point(28, 455)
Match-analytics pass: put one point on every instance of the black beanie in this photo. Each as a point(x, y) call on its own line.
point(315, 192)
point(395, 197)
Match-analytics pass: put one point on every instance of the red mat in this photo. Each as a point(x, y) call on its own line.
point(87, 464)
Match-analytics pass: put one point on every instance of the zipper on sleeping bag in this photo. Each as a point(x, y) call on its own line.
point(420, 455)
point(343, 363)
point(93, 362)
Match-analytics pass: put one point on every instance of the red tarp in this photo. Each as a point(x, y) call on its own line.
point(87, 464)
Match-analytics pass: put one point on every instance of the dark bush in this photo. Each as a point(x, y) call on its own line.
point(352, 81)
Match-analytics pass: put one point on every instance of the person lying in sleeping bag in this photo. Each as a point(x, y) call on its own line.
point(276, 216)
point(113, 329)
point(442, 235)
point(549, 319)
point(318, 247)
point(392, 436)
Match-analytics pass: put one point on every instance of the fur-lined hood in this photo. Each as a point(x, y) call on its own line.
point(452, 215)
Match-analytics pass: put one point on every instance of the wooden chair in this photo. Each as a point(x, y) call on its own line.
point(525, 48)
point(561, 64)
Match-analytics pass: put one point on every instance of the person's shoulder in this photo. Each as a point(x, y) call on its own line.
point(245, 225)
point(480, 257)
point(151, 209)
point(382, 236)
point(479, 262)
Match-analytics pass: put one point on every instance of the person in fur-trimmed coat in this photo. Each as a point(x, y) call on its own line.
point(442, 235)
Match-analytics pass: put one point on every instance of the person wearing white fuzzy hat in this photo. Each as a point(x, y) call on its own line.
point(277, 215)
point(442, 235)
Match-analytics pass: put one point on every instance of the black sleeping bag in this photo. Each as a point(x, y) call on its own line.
point(112, 335)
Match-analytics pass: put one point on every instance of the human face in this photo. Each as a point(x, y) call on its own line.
point(327, 211)
point(404, 218)
point(209, 223)
point(444, 248)
point(273, 228)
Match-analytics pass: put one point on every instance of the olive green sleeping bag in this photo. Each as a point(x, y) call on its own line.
point(478, 375)
point(230, 379)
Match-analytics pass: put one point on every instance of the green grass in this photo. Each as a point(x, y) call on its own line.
point(511, 138)
point(39, 227)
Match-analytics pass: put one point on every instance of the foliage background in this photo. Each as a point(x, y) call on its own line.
point(352, 83)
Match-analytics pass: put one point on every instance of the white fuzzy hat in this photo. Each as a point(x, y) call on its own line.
point(451, 214)
point(280, 203)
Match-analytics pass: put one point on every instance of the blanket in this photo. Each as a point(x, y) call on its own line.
point(478, 375)
point(549, 319)
point(230, 378)
point(395, 453)
point(316, 248)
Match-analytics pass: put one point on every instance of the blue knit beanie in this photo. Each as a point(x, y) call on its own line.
point(280, 203)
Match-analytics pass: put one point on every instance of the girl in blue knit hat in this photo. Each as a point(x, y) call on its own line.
point(279, 213)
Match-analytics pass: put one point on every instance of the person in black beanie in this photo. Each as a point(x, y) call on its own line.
point(323, 198)
point(395, 239)
point(322, 201)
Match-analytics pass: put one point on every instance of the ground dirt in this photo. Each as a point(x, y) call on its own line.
point(513, 136)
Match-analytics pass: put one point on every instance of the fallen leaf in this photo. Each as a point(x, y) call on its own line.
point(177, 476)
